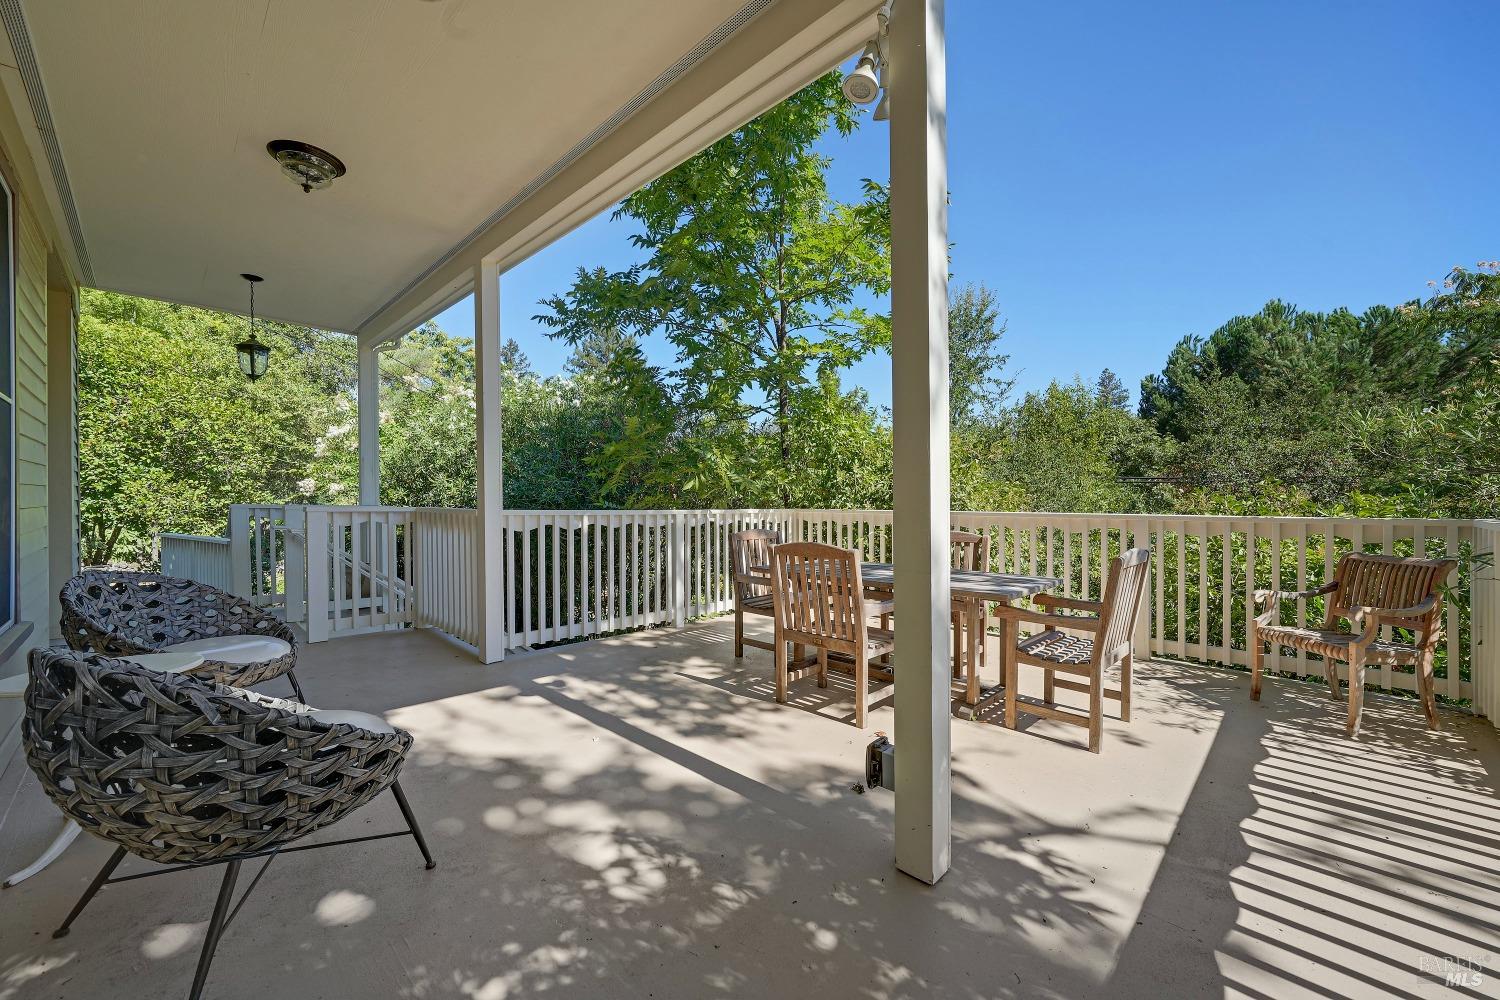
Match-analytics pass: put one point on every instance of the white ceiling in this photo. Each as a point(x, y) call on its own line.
point(441, 110)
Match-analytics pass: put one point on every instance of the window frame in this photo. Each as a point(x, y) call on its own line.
point(9, 614)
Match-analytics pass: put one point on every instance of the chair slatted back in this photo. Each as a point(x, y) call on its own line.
point(966, 549)
point(1366, 580)
point(819, 595)
point(1122, 601)
point(747, 549)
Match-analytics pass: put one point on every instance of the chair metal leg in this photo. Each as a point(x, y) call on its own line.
point(411, 821)
point(92, 890)
point(215, 927)
point(291, 675)
point(60, 843)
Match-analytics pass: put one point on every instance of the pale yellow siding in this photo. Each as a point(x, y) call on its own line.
point(33, 571)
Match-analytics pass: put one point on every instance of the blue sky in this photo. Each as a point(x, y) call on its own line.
point(1123, 175)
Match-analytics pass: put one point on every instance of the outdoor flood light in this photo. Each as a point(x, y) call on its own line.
point(254, 356)
point(862, 85)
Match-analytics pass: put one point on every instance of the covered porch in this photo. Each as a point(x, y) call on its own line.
point(637, 816)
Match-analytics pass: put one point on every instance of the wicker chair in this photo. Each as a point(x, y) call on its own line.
point(1371, 592)
point(124, 614)
point(185, 772)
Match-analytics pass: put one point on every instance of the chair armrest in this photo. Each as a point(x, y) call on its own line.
point(1395, 615)
point(1014, 614)
point(1273, 598)
point(754, 579)
point(1050, 601)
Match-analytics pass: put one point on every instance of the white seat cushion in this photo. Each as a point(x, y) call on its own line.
point(236, 649)
point(348, 717)
point(327, 716)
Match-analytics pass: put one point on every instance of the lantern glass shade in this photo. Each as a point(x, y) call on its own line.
point(254, 357)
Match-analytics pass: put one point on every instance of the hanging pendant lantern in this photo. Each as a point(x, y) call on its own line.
point(254, 356)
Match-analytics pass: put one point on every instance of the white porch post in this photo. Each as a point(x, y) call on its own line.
point(919, 393)
point(369, 426)
point(490, 572)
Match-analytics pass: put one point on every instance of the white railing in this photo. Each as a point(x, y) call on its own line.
point(359, 570)
point(581, 573)
point(446, 554)
point(574, 574)
point(197, 557)
point(1484, 624)
point(267, 548)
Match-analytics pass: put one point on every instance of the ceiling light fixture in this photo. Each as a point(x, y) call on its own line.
point(254, 356)
point(310, 167)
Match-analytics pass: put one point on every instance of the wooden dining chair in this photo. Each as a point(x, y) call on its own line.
point(751, 555)
point(1110, 623)
point(1371, 592)
point(820, 602)
point(966, 550)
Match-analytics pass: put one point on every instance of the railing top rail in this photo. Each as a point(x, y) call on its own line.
point(1212, 518)
point(211, 539)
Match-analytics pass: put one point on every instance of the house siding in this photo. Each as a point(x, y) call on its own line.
point(33, 571)
point(44, 390)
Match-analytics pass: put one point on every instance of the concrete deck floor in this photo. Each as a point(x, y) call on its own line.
point(637, 818)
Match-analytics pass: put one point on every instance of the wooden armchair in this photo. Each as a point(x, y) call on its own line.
point(966, 550)
point(1370, 592)
point(820, 602)
point(1110, 624)
point(750, 552)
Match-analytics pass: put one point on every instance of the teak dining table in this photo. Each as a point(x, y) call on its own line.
point(974, 589)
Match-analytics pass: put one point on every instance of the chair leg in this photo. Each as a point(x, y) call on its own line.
point(411, 823)
point(1425, 687)
point(822, 667)
point(215, 928)
point(291, 675)
point(739, 633)
point(861, 687)
point(1125, 667)
point(1096, 709)
point(91, 891)
point(781, 668)
point(1356, 694)
point(1256, 656)
point(958, 645)
point(1012, 676)
point(1331, 673)
point(1049, 686)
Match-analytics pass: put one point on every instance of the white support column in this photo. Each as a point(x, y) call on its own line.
point(369, 426)
point(919, 393)
point(490, 572)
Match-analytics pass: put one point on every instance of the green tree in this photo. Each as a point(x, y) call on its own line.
point(976, 364)
point(171, 433)
point(752, 272)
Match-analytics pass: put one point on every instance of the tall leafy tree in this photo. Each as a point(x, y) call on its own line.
point(752, 272)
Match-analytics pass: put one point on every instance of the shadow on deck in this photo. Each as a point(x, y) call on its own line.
point(636, 817)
